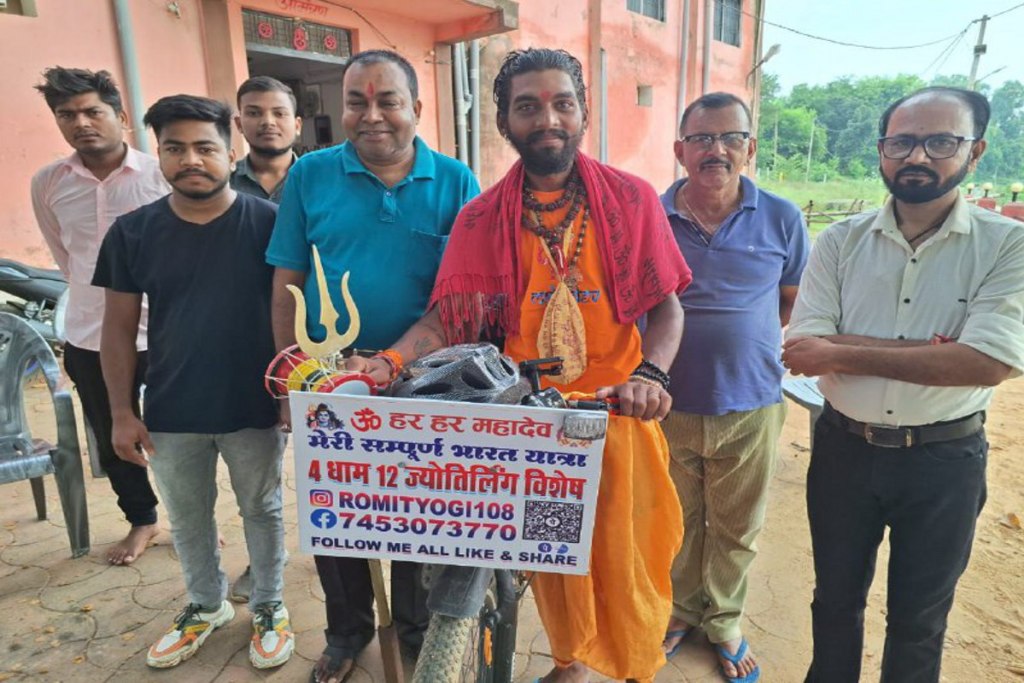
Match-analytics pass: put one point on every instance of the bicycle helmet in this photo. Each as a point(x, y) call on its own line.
point(472, 373)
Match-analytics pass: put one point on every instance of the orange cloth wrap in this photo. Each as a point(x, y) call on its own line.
point(614, 619)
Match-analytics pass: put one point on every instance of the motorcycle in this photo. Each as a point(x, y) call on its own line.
point(36, 295)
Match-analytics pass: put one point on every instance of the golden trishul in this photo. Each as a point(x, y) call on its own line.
point(334, 342)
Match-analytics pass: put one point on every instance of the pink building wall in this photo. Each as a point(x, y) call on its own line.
point(198, 47)
point(640, 51)
point(177, 52)
point(79, 34)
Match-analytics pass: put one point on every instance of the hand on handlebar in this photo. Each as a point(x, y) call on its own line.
point(378, 370)
point(639, 399)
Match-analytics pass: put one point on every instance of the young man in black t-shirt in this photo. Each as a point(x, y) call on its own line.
point(198, 256)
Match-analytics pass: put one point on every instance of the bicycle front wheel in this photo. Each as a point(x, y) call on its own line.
point(460, 650)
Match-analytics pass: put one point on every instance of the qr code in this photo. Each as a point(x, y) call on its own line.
point(548, 521)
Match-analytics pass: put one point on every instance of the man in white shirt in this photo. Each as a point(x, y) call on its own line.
point(76, 199)
point(910, 315)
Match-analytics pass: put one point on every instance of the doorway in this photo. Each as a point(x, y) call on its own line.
point(310, 58)
point(317, 88)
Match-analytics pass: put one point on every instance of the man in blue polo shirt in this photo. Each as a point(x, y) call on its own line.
point(747, 249)
point(380, 207)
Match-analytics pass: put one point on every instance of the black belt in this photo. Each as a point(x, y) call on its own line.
point(905, 437)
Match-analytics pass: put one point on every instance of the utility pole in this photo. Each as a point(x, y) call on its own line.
point(979, 50)
point(775, 147)
point(810, 146)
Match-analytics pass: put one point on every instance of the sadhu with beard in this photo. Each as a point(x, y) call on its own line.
point(560, 258)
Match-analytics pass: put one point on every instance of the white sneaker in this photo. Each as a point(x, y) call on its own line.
point(272, 638)
point(190, 629)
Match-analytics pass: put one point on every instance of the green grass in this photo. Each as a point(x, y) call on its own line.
point(841, 190)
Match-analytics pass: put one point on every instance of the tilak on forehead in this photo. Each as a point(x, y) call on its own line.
point(370, 89)
point(545, 95)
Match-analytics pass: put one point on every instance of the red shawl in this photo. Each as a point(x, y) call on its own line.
point(480, 284)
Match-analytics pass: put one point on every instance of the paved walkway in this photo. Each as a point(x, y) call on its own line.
point(84, 620)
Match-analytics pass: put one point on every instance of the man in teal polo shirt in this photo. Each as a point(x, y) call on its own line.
point(380, 206)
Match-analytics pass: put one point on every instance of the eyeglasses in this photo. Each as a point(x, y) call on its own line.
point(935, 146)
point(732, 140)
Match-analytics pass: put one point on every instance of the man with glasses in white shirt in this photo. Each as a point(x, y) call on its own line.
point(910, 315)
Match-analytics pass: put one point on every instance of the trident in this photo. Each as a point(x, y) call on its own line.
point(328, 315)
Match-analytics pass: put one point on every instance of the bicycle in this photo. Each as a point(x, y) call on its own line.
point(474, 611)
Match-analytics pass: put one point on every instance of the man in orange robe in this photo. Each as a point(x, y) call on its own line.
point(560, 258)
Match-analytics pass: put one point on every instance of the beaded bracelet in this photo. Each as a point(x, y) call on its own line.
point(394, 360)
point(642, 379)
point(650, 371)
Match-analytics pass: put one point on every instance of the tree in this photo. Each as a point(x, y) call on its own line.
point(845, 115)
point(1004, 158)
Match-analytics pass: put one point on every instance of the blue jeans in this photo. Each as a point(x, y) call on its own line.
point(185, 469)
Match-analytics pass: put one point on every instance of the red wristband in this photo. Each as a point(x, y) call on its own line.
point(394, 359)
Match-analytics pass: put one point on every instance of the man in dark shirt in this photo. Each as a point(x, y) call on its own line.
point(198, 257)
point(268, 121)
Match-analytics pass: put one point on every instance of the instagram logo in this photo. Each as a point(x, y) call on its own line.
point(321, 498)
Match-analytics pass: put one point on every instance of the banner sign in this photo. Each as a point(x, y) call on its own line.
point(508, 487)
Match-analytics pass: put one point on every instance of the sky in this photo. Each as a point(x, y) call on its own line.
point(892, 23)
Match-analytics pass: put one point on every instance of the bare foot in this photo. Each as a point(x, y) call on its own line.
point(745, 665)
point(675, 633)
point(133, 545)
point(574, 673)
point(332, 670)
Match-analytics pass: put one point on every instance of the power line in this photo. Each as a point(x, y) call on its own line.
point(858, 45)
point(369, 23)
point(999, 14)
point(862, 46)
point(945, 54)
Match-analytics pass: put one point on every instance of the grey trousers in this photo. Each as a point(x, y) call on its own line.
point(185, 469)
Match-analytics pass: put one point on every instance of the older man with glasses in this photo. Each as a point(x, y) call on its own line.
point(747, 248)
point(910, 315)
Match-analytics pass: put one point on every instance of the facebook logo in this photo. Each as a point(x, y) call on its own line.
point(323, 519)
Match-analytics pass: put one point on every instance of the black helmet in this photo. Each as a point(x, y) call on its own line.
point(473, 373)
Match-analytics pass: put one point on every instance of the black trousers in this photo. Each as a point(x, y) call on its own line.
point(130, 482)
point(930, 497)
point(348, 597)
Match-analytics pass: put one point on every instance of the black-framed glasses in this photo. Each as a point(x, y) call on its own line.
point(733, 139)
point(939, 146)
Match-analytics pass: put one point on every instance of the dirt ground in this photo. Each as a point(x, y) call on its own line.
point(985, 640)
point(118, 611)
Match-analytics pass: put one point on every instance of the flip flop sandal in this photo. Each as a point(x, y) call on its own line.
point(735, 660)
point(336, 657)
point(679, 633)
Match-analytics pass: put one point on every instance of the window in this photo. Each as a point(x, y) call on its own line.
point(644, 96)
point(728, 20)
point(25, 8)
point(655, 9)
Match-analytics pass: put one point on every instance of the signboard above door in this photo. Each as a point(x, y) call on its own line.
point(295, 37)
